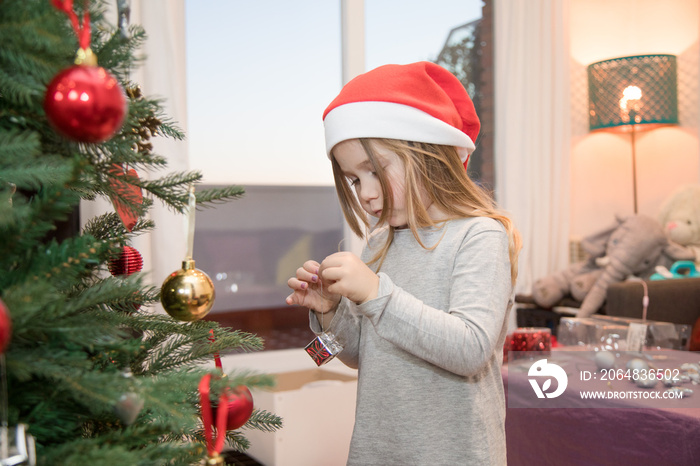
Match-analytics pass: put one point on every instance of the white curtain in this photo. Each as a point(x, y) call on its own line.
point(164, 75)
point(532, 115)
point(161, 75)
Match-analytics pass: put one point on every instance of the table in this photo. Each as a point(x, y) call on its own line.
point(622, 432)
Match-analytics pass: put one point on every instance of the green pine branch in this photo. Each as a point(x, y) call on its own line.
point(32, 176)
point(109, 227)
point(77, 330)
point(15, 144)
point(211, 196)
point(193, 347)
point(116, 53)
point(30, 221)
point(18, 90)
point(265, 421)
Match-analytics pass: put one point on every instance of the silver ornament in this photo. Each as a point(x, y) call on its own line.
point(604, 360)
point(647, 380)
point(128, 407)
point(124, 14)
point(638, 364)
point(685, 391)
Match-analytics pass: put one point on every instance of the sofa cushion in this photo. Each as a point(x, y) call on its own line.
point(673, 300)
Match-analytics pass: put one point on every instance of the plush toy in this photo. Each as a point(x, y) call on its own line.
point(680, 217)
point(632, 246)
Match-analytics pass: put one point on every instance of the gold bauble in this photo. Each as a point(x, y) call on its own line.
point(187, 294)
point(215, 460)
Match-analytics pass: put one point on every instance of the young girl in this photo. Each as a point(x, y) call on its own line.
point(422, 315)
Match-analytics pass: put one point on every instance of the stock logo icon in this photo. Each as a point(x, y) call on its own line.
point(542, 369)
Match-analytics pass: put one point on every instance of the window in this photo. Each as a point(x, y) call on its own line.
point(251, 246)
point(259, 76)
point(454, 34)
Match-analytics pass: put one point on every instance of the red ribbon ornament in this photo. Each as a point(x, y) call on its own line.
point(82, 31)
point(214, 445)
point(217, 358)
point(128, 191)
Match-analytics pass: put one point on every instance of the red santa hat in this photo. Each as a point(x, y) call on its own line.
point(420, 102)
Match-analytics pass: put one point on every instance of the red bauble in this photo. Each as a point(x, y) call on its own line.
point(5, 327)
point(129, 261)
point(85, 103)
point(240, 408)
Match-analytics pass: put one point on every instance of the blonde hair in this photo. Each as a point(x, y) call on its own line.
point(430, 169)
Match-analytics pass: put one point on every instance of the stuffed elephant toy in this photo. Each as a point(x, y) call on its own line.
point(631, 246)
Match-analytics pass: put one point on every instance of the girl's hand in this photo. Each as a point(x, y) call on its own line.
point(309, 290)
point(345, 274)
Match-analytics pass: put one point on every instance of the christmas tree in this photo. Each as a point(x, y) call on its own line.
point(92, 370)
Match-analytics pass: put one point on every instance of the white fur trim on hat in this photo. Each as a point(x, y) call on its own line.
point(392, 121)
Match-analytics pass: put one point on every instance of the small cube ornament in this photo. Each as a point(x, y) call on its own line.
point(323, 348)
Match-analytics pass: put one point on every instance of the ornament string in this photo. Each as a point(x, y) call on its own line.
point(214, 445)
point(81, 31)
point(190, 229)
point(192, 208)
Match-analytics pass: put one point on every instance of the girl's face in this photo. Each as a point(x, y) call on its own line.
point(356, 166)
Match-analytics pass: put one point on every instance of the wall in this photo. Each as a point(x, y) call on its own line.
point(601, 183)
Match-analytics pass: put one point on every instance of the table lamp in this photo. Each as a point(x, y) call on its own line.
point(630, 94)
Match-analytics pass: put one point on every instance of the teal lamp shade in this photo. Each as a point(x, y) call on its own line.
point(633, 93)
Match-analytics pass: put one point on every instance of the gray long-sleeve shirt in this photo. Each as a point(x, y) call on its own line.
point(429, 348)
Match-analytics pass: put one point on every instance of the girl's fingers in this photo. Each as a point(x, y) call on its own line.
point(305, 280)
point(312, 266)
point(306, 275)
point(297, 284)
point(337, 259)
point(295, 298)
point(332, 274)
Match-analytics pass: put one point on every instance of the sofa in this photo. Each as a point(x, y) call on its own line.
point(671, 300)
